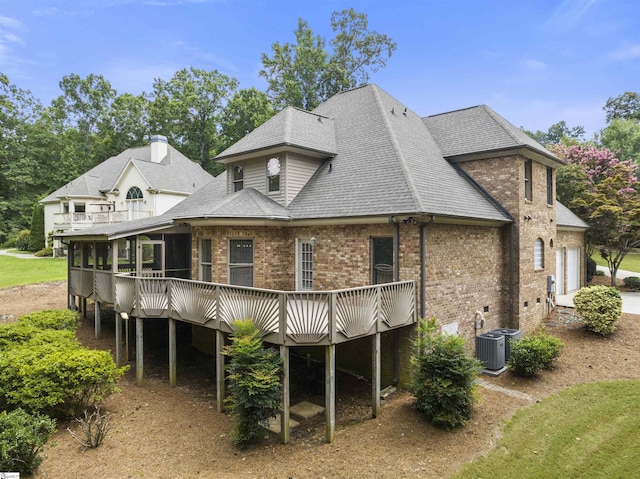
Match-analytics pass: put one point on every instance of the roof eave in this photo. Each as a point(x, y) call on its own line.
point(523, 150)
point(277, 148)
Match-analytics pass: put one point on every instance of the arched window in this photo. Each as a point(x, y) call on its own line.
point(135, 199)
point(538, 254)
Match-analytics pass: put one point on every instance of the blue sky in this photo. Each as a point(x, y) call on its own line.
point(533, 61)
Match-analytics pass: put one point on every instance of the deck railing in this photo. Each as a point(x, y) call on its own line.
point(89, 219)
point(283, 317)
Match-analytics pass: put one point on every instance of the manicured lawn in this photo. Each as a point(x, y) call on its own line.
point(587, 431)
point(631, 262)
point(18, 271)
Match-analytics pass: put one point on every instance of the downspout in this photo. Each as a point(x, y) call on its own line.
point(69, 259)
point(423, 267)
point(512, 275)
point(396, 277)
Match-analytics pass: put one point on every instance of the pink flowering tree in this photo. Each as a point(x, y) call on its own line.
point(604, 191)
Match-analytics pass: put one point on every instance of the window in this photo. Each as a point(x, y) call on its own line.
point(273, 174)
point(134, 199)
point(528, 186)
point(241, 262)
point(381, 260)
point(538, 254)
point(549, 185)
point(305, 265)
point(238, 178)
point(205, 260)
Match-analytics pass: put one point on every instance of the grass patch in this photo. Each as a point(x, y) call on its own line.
point(587, 431)
point(20, 271)
point(631, 262)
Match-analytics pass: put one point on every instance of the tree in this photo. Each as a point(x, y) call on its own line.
point(623, 137)
point(187, 110)
point(558, 133)
point(304, 74)
point(84, 105)
point(128, 123)
point(247, 110)
point(625, 106)
point(37, 238)
point(605, 195)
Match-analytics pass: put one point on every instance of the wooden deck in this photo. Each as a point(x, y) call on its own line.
point(285, 318)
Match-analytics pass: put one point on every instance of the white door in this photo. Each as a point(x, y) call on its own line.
point(573, 269)
point(560, 271)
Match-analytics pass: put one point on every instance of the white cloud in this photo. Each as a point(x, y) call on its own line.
point(12, 38)
point(628, 51)
point(9, 22)
point(568, 13)
point(46, 12)
point(531, 65)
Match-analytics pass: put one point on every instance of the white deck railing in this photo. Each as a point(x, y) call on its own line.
point(89, 219)
point(283, 317)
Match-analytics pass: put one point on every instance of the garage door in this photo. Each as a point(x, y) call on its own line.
point(573, 269)
point(560, 271)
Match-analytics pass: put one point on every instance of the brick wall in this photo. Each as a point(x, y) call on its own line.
point(503, 178)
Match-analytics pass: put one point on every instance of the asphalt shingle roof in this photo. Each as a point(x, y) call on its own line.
point(479, 129)
point(175, 173)
point(566, 217)
point(387, 164)
point(290, 127)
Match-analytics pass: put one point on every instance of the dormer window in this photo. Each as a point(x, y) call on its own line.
point(238, 178)
point(273, 174)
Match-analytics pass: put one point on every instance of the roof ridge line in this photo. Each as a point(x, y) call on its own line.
point(500, 121)
point(403, 164)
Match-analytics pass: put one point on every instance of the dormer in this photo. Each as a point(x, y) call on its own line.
point(280, 156)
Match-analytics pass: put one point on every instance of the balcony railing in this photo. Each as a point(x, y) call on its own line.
point(283, 317)
point(89, 219)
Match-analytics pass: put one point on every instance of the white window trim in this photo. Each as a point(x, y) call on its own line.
point(202, 263)
point(301, 283)
point(253, 259)
point(538, 254)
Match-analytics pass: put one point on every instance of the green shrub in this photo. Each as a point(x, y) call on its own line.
point(632, 282)
point(22, 240)
point(31, 325)
point(599, 272)
point(255, 376)
point(600, 307)
point(52, 319)
point(52, 374)
point(44, 252)
point(22, 437)
point(533, 353)
point(443, 377)
point(15, 334)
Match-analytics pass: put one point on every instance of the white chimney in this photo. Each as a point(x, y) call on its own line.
point(158, 148)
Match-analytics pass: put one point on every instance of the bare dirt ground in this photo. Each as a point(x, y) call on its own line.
point(163, 432)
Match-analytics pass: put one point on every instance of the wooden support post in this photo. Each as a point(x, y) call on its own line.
point(330, 391)
point(118, 339)
point(139, 352)
point(97, 320)
point(172, 353)
point(375, 375)
point(219, 370)
point(127, 336)
point(284, 414)
point(83, 307)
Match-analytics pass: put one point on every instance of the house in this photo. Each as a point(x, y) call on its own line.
point(138, 183)
point(335, 229)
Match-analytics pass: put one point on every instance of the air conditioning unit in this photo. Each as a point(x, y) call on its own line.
point(490, 350)
point(509, 335)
